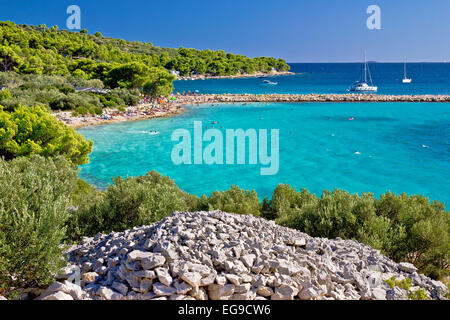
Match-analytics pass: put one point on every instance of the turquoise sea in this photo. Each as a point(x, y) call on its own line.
point(401, 147)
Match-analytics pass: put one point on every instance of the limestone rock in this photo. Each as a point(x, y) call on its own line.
point(222, 256)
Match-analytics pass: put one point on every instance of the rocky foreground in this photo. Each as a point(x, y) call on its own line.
point(220, 256)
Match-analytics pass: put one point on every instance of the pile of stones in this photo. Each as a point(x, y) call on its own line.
point(221, 256)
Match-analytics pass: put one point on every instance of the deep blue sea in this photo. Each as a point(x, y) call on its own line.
point(428, 78)
point(401, 147)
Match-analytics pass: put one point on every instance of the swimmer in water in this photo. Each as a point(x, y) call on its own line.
point(351, 119)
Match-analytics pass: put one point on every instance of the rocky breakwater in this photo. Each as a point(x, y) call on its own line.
point(248, 98)
point(221, 256)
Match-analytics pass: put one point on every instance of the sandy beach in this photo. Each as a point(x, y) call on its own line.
point(174, 105)
point(140, 112)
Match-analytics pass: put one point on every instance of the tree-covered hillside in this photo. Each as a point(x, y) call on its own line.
point(41, 65)
point(41, 50)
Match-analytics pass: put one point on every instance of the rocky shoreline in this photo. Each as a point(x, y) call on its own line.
point(249, 98)
point(221, 256)
point(237, 76)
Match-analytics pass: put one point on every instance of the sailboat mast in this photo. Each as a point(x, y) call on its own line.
point(365, 67)
point(405, 69)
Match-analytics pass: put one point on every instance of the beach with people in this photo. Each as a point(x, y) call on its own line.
point(149, 108)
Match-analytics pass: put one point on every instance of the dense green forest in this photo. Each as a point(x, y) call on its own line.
point(41, 65)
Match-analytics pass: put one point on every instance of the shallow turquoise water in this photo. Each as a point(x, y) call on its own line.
point(401, 147)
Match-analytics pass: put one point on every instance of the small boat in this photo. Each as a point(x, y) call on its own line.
point(364, 86)
point(405, 79)
point(270, 82)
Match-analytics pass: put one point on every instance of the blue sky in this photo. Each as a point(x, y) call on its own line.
point(296, 30)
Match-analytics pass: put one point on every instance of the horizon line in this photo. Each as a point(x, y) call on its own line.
point(371, 61)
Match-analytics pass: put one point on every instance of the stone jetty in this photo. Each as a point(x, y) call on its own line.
point(221, 256)
point(265, 98)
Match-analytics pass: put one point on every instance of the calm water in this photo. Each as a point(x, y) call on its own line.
point(428, 78)
point(401, 147)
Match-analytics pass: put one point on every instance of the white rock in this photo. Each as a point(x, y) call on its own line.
point(164, 276)
point(407, 267)
point(378, 294)
point(162, 290)
point(192, 278)
point(308, 293)
point(139, 255)
point(58, 296)
point(284, 292)
point(216, 291)
point(153, 262)
point(248, 260)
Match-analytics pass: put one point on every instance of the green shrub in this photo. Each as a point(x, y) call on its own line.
point(405, 228)
point(128, 203)
point(5, 94)
point(96, 110)
point(418, 294)
point(29, 131)
point(404, 284)
point(82, 111)
point(234, 200)
point(123, 96)
point(34, 202)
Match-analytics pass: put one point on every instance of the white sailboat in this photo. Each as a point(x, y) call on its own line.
point(364, 86)
point(405, 79)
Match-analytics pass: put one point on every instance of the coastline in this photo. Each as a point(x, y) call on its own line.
point(237, 76)
point(174, 107)
point(77, 122)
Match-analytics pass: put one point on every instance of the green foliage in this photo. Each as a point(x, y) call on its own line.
point(234, 200)
point(119, 63)
point(122, 97)
point(5, 94)
point(405, 228)
point(29, 131)
point(54, 92)
point(34, 202)
point(131, 75)
point(128, 203)
point(404, 284)
point(191, 61)
point(419, 294)
point(160, 83)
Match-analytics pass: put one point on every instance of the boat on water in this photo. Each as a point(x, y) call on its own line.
point(364, 86)
point(270, 82)
point(405, 78)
